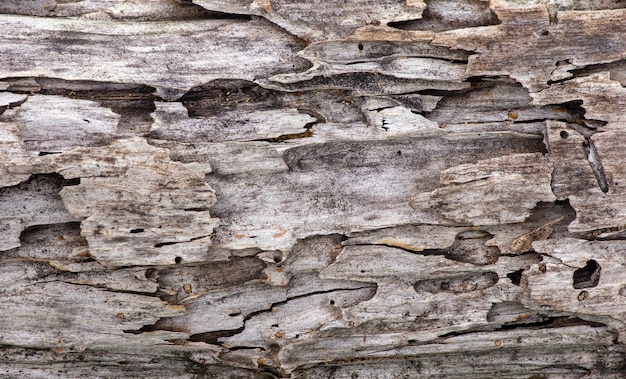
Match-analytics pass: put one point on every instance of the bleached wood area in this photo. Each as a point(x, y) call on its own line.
point(313, 189)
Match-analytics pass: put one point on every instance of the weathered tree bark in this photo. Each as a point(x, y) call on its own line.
point(279, 188)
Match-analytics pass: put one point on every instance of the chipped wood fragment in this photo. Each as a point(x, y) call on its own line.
point(602, 98)
point(524, 242)
point(56, 123)
point(173, 123)
point(161, 203)
point(505, 187)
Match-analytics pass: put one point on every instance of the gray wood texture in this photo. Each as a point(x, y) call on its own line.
point(306, 189)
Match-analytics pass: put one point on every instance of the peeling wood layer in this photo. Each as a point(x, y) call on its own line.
point(280, 189)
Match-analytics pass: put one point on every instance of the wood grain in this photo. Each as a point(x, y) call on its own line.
point(305, 189)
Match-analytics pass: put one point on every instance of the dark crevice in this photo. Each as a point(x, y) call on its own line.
point(365, 285)
point(339, 155)
point(221, 99)
point(143, 329)
point(213, 337)
point(71, 182)
point(552, 322)
point(286, 137)
point(558, 64)
point(368, 83)
point(40, 183)
point(134, 113)
point(588, 276)
point(484, 99)
point(532, 121)
point(198, 12)
point(201, 209)
point(577, 117)
point(545, 323)
point(45, 238)
point(223, 95)
point(207, 276)
point(438, 92)
point(161, 244)
point(273, 305)
point(515, 277)
point(425, 252)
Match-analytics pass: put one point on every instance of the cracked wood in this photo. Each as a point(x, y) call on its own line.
point(289, 189)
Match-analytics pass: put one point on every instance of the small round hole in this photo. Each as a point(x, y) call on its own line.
point(564, 134)
point(360, 46)
point(515, 277)
point(178, 260)
point(150, 273)
point(588, 276)
point(332, 302)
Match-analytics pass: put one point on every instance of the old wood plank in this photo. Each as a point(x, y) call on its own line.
point(369, 197)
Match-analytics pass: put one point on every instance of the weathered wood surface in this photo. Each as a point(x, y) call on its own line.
point(272, 188)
